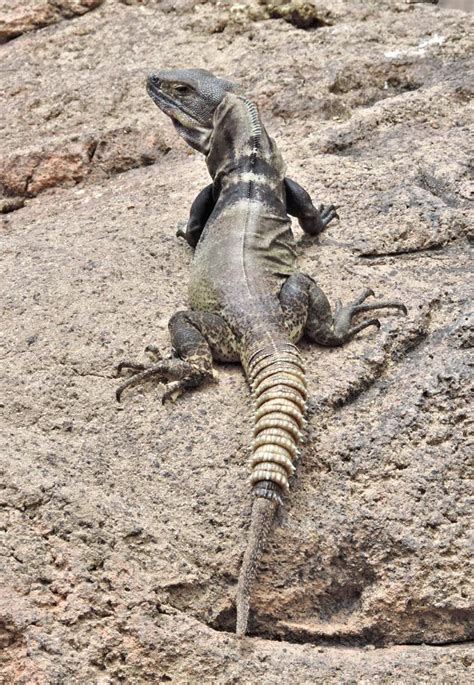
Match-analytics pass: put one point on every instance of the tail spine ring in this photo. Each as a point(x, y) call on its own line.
point(279, 390)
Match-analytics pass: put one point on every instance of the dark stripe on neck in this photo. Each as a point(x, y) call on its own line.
point(255, 142)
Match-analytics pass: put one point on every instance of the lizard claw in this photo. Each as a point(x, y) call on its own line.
point(135, 366)
point(178, 375)
point(343, 315)
point(181, 229)
point(172, 392)
point(154, 352)
point(328, 213)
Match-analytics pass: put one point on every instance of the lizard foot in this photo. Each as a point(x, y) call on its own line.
point(343, 314)
point(154, 353)
point(181, 229)
point(177, 374)
point(328, 213)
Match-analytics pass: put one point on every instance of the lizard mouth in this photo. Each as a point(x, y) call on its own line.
point(173, 109)
point(194, 131)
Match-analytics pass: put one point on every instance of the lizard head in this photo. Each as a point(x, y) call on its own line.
point(189, 97)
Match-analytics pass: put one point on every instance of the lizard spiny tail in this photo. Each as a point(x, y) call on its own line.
point(278, 386)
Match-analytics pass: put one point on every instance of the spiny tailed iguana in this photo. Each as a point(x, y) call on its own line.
point(248, 302)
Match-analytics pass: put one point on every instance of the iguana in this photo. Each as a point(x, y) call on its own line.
point(248, 301)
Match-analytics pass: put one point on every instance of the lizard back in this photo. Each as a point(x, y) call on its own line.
point(247, 242)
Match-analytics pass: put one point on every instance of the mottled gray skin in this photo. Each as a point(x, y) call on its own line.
point(248, 302)
point(247, 240)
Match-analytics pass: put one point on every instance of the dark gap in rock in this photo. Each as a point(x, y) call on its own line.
point(8, 205)
point(305, 16)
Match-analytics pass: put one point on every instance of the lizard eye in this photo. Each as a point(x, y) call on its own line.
point(182, 89)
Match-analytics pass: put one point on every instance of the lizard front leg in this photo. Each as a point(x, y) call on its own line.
point(197, 338)
point(298, 203)
point(200, 211)
point(306, 309)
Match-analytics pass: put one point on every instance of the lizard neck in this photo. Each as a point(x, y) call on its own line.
point(240, 148)
point(256, 132)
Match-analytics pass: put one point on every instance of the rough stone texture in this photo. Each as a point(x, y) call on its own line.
point(123, 526)
point(18, 16)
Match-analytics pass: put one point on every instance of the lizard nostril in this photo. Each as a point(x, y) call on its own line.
point(153, 80)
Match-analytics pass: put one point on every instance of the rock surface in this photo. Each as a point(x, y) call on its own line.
point(123, 526)
point(18, 16)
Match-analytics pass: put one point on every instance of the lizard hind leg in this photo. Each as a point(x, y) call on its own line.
point(196, 337)
point(337, 329)
point(301, 297)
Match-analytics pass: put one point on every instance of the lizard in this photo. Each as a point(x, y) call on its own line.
point(248, 301)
